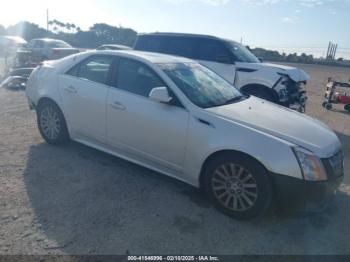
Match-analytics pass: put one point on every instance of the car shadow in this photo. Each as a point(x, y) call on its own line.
point(88, 202)
point(13, 89)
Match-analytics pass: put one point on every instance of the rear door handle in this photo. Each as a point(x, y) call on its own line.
point(70, 89)
point(117, 105)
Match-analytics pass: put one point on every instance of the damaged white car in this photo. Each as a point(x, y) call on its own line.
point(177, 117)
point(283, 85)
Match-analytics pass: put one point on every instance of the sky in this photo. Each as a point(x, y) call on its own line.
point(283, 25)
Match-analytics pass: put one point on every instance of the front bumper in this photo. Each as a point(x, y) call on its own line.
point(292, 95)
point(297, 194)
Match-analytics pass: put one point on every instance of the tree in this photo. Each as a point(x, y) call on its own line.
point(27, 30)
point(2, 30)
point(114, 35)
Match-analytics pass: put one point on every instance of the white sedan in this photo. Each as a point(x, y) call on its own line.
point(179, 118)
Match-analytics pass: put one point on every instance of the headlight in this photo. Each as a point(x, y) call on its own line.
point(310, 165)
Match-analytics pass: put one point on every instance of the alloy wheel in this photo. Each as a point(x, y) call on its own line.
point(50, 122)
point(234, 187)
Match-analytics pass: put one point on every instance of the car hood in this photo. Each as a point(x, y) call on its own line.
point(282, 123)
point(294, 73)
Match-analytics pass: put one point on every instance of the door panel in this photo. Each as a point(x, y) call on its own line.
point(85, 104)
point(84, 92)
point(153, 131)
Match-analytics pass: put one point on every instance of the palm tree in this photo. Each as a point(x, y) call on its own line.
point(68, 27)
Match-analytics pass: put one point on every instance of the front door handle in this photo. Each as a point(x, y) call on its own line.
point(70, 89)
point(117, 105)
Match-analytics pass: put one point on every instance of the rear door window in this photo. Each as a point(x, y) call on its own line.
point(95, 68)
point(181, 46)
point(150, 43)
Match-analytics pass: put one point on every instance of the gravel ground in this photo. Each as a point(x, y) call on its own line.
point(76, 200)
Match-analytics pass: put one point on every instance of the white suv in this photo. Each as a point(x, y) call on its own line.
point(179, 118)
point(279, 84)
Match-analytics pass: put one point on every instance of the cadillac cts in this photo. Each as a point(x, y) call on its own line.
point(177, 117)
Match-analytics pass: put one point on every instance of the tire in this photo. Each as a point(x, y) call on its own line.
point(329, 106)
point(347, 107)
point(324, 104)
point(262, 93)
point(243, 194)
point(51, 123)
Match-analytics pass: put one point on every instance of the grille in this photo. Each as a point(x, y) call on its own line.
point(335, 165)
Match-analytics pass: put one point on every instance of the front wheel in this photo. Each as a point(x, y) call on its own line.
point(238, 186)
point(51, 123)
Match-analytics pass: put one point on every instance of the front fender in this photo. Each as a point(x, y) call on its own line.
point(274, 154)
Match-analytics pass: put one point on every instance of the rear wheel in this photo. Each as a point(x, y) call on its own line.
point(329, 106)
point(238, 186)
point(51, 123)
point(347, 107)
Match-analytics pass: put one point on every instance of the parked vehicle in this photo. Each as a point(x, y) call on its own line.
point(16, 79)
point(332, 96)
point(10, 44)
point(279, 84)
point(181, 119)
point(113, 47)
point(50, 49)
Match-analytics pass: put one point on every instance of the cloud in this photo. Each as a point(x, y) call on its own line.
point(210, 2)
point(290, 19)
point(305, 3)
point(312, 3)
point(302, 3)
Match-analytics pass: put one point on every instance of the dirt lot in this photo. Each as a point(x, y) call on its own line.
point(76, 200)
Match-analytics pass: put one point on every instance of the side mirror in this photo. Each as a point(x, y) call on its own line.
point(261, 59)
point(160, 95)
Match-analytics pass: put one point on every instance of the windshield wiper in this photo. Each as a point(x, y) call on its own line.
point(233, 100)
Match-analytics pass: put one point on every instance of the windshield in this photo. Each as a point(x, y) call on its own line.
point(242, 54)
point(59, 44)
point(202, 86)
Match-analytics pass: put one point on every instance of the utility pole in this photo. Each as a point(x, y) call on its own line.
point(332, 51)
point(47, 20)
point(328, 50)
point(335, 51)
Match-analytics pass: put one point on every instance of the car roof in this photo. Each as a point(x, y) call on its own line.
point(155, 58)
point(48, 40)
point(114, 45)
point(180, 35)
point(187, 35)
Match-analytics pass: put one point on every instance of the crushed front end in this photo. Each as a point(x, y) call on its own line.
point(291, 94)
